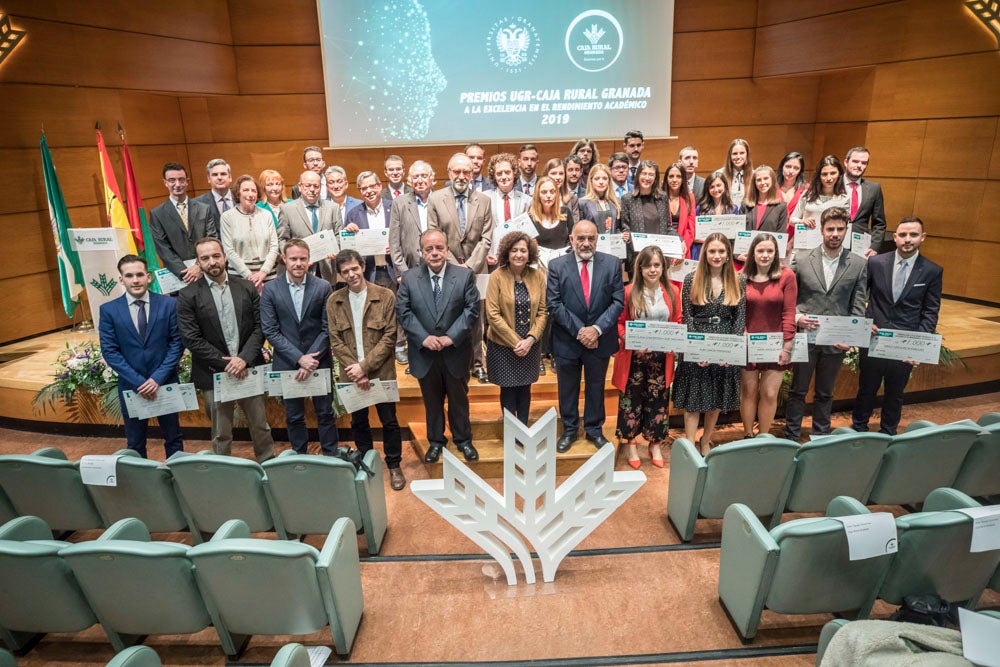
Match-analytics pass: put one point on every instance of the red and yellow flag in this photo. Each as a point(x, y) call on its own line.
point(112, 195)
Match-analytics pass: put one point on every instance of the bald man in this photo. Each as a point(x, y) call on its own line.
point(309, 214)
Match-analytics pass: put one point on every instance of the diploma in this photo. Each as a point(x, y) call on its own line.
point(272, 380)
point(742, 244)
point(482, 282)
point(519, 223)
point(391, 389)
point(189, 395)
point(546, 255)
point(366, 242)
point(169, 400)
point(860, 243)
point(669, 244)
point(841, 329)
point(227, 388)
point(317, 384)
point(679, 273)
point(906, 346)
point(728, 224)
point(716, 348)
point(321, 245)
point(612, 244)
point(655, 336)
point(354, 398)
point(807, 238)
point(168, 282)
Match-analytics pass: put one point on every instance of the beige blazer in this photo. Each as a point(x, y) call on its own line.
point(472, 247)
point(295, 222)
point(500, 306)
point(404, 232)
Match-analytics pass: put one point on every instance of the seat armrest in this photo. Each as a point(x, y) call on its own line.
point(232, 529)
point(917, 425)
point(747, 562)
point(688, 472)
point(127, 529)
point(943, 499)
point(371, 501)
point(291, 655)
point(25, 528)
point(844, 506)
point(338, 571)
point(989, 419)
point(288, 452)
point(50, 453)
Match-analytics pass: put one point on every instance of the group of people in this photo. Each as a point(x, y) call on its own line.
point(243, 254)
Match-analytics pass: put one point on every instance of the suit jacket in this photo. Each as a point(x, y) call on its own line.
point(500, 306)
point(846, 296)
point(387, 191)
point(484, 184)
point(698, 187)
point(590, 211)
point(454, 316)
point(213, 209)
point(295, 221)
point(519, 186)
point(569, 311)
point(918, 305)
point(404, 232)
point(775, 219)
point(378, 332)
point(138, 359)
point(291, 337)
point(870, 217)
point(472, 247)
point(201, 328)
point(359, 216)
point(173, 243)
point(349, 203)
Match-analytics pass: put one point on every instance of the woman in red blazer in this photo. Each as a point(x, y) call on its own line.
point(681, 203)
point(791, 171)
point(642, 376)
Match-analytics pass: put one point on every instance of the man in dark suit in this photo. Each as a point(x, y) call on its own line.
point(178, 222)
point(438, 307)
point(394, 173)
point(585, 296)
point(374, 213)
point(831, 281)
point(220, 197)
point(904, 292)
point(219, 321)
point(140, 341)
point(688, 158)
point(634, 143)
point(618, 164)
point(336, 189)
point(867, 210)
point(527, 163)
point(293, 319)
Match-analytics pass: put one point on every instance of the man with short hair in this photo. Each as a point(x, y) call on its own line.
point(633, 149)
point(394, 171)
point(574, 175)
point(220, 198)
point(362, 318)
point(688, 158)
point(373, 214)
point(336, 189)
point(831, 281)
point(867, 209)
point(293, 319)
point(178, 222)
point(527, 162)
point(308, 215)
point(585, 296)
point(618, 164)
point(140, 342)
point(312, 160)
point(477, 154)
point(408, 219)
point(904, 292)
point(219, 321)
point(438, 307)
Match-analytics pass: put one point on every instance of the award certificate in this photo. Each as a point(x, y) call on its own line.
point(672, 246)
point(546, 255)
point(906, 346)
point(613, 244)
point(845, 330)
point(724, 224)
point(227, 388)
point(716, 348)
point(169, 400)
point(366, 242)
point(679, 273)
point(321, 245)
point(860, 243)
point(764, 348)
point(655, 336)
point(807, 238)
point(317, 384)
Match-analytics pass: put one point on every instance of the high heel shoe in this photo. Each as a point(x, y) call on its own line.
point(658, 462)
point(636, 462)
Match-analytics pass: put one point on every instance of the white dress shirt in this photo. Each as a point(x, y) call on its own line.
point(357, 300)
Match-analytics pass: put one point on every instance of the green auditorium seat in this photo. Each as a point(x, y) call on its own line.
point(46, 485)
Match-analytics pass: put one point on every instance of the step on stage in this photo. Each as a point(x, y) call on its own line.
point(971, 330)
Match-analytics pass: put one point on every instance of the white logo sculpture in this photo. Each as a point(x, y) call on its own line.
point(552, 520)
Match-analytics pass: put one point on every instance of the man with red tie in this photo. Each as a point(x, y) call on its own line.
point(867, 209)
point(506, 202)
point(394, 185)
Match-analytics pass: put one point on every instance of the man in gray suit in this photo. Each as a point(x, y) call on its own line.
point(293, 318)
point(394, 185)
point(867, 208)
point(688, 158)
point(178, 222)
point(466, 219)
point(220, 198)
point(408, 219)
point(308, 215)
point(506, 203)
point(831, 281)
point(438, 307)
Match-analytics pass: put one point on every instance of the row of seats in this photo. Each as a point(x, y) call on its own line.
point(292, 494)
point(290, 655)
point(803, 566)
point(135, 587)
point(772, 476)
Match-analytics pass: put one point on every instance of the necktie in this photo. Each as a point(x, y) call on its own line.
point(527, 188)
point(472, 185)
point(620, 191)
point(395, 193)
point(854, 200)
point(631, 174)
point(506, 208)
point(899, 280)
point(585, 282)
point(437, 289)
point(315, 218)
point(461, 213)
point(225, 204)
point(182, 211)
point(141, 319)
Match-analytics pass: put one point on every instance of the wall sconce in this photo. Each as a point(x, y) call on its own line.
point(988, 12)
point(10, 37)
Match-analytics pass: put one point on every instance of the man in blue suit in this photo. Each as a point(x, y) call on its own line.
point(585, 296)
point(141, 342)
point(373, 214)
point(293, 318)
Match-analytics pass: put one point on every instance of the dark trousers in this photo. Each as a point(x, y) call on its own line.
point(392, 439)
point(382, 278)
point(477, 334)
point(434, 386)
point(595, 370)
point(873, 373)
point(135, 432)
point(517, 401)
point(824, 362)
point(295, 422)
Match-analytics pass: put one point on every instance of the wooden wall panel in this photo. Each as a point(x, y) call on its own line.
point(286, 69)
point(292, 118)
point(900, 196)
point(770, 12)
point(27, 236)
point(895, 148)
point(984, 273)
point(695, 15)
point(986, 227)
point(718, 54)
point(269, 22)
point(954, 257)
point(836, 139)
point(37, 302)
point(943, 88)
point(995, 158)
point(949, 208)
point(743, 102)
point(958, 148)
point(845, 96)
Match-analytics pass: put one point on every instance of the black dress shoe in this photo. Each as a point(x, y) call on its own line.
point(541, 368)
point(598, 440)
point(469, 452)
point(433, 453)
point(481, 375)
point(565, 442)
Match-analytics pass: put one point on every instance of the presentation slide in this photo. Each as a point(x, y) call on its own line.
point(444, 72)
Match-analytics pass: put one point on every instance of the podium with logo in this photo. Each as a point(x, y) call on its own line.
point(99, 250)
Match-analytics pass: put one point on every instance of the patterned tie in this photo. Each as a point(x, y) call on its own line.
point(854, 200)
point(527, 188)
point(506, 208)
point(631, 174)
point(899, 280)
point(315, 218)
point(395, 193)
point(141, 318)
point(182, 211)
point(585, 282)
point(225, 204)
point(461, 213)
point(437, 290)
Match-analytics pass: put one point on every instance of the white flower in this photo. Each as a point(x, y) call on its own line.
point(108, 374)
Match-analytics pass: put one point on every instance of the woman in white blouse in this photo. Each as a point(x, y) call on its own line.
point(826, 191)
point(248, 235)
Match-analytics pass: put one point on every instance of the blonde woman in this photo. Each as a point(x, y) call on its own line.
point(273, 195)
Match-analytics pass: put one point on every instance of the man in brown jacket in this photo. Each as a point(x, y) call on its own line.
point(365, 307)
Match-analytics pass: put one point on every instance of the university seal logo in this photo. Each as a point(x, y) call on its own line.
point(513, 44)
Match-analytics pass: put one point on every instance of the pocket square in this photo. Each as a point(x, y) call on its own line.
point(920, 284)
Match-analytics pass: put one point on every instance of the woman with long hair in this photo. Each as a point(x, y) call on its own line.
point(680, 201)
point(556, 170)
point(825, 191)
point(766, 210)
point(600, 204)
point(738, 168)
point(715, 200)
point(771, 294)
point(642, 376)
point(791, 171)
point(646, 210)
point(553, 223)
point(714, 301)
point(248, 236)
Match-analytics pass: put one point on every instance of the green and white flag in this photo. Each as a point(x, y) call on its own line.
point(70, 273)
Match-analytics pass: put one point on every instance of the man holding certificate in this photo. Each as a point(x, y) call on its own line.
point(293, 318)
point(140, 341)
point(831, 281)
point(904, 294)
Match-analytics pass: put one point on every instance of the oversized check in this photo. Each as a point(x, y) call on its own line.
point(716, 348)
point(655, 336)
point(366, 241)
point(906, 346)
point(669, 244)
point(679, 273)
point(859, 243)
point(227, 388)
point(800, 348)
point(807, 238)
point(842, 329)
point(741, 245)
point(321, 245)
point(169, 399)
point(613, 244)
point(727, 224)
point(764, 348)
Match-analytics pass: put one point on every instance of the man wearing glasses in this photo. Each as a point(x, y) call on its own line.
point(312, 160)
point(308, 215)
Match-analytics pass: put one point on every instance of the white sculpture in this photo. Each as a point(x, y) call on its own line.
point(552, 520)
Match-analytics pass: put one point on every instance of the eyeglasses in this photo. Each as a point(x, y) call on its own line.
point(175, 181)
point(314, 160)
point(309, 186)
point(461, 172)
point(373, 186)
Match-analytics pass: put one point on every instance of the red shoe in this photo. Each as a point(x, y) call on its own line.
point(636, 462)
point(658, 462)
